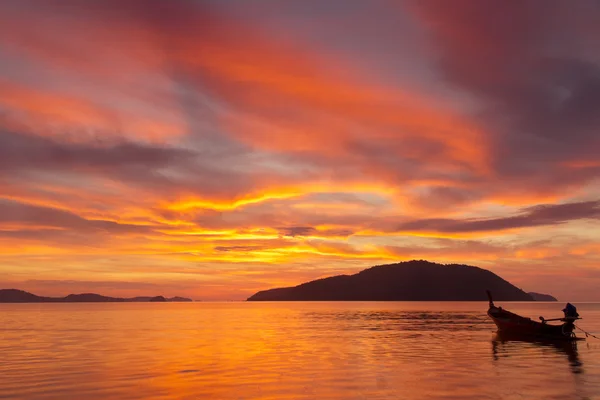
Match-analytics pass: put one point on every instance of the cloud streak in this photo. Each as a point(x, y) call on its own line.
point(541, 215)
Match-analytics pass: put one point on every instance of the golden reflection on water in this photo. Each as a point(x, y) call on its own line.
point(285, 351)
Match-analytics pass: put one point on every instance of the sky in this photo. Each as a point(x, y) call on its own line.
point(214, 148)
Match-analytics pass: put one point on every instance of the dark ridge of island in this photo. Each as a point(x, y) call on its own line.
point(20, 296)
point(542, 297)
point(416, 280)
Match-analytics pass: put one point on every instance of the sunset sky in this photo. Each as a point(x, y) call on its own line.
point(214, 148)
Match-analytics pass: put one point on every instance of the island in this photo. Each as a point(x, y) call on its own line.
point(20, 296)
point(416, 280)
point(542, 297)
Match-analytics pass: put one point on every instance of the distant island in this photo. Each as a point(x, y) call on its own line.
point(542, 297)
point(416, 280)
point(20, 296)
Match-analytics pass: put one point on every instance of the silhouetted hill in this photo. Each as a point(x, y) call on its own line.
point(91, 298)
point(406, 281)
point(140, 299)
point(175, 299)
point(179, 299)
point(20, 296)
point(542, 297)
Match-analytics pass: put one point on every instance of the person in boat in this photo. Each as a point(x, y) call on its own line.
point(570, 311)
point(571, 315)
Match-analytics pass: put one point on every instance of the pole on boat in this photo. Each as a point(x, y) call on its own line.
point(489, 295)
point(544, 320)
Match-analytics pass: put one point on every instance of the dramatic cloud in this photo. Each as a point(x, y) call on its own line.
point(535, 70)
point(217, 148)
point(20, 152)
point(531, 217)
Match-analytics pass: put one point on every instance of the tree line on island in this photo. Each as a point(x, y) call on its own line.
point(20, 296)
point(416, 280)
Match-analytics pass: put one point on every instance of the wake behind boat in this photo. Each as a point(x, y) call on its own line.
point(513, 324)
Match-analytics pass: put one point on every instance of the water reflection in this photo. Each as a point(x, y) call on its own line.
point(394, 320)
point(303, 351)
point(504, 345)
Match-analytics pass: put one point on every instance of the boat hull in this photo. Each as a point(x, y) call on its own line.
point(510, 323)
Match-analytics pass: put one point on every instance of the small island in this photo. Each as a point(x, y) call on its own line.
point(20, 296)
point(542, 297)
point(416, 280)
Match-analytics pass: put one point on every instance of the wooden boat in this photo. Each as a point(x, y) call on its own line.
point(510, 323)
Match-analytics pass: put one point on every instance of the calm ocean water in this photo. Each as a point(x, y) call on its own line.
point(329, 350)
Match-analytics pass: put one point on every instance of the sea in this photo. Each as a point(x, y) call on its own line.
point(288, 350)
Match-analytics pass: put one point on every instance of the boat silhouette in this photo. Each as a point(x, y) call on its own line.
point(509, 323)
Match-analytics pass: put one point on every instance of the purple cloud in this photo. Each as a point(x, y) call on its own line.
point(547, 214)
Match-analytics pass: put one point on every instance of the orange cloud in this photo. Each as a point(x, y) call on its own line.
point(77, 119)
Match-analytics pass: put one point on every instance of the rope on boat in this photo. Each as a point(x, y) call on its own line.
point(587, 333)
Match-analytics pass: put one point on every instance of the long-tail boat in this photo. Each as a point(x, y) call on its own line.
point(510, 323)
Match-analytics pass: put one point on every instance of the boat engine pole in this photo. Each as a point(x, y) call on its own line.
point(489, 295)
